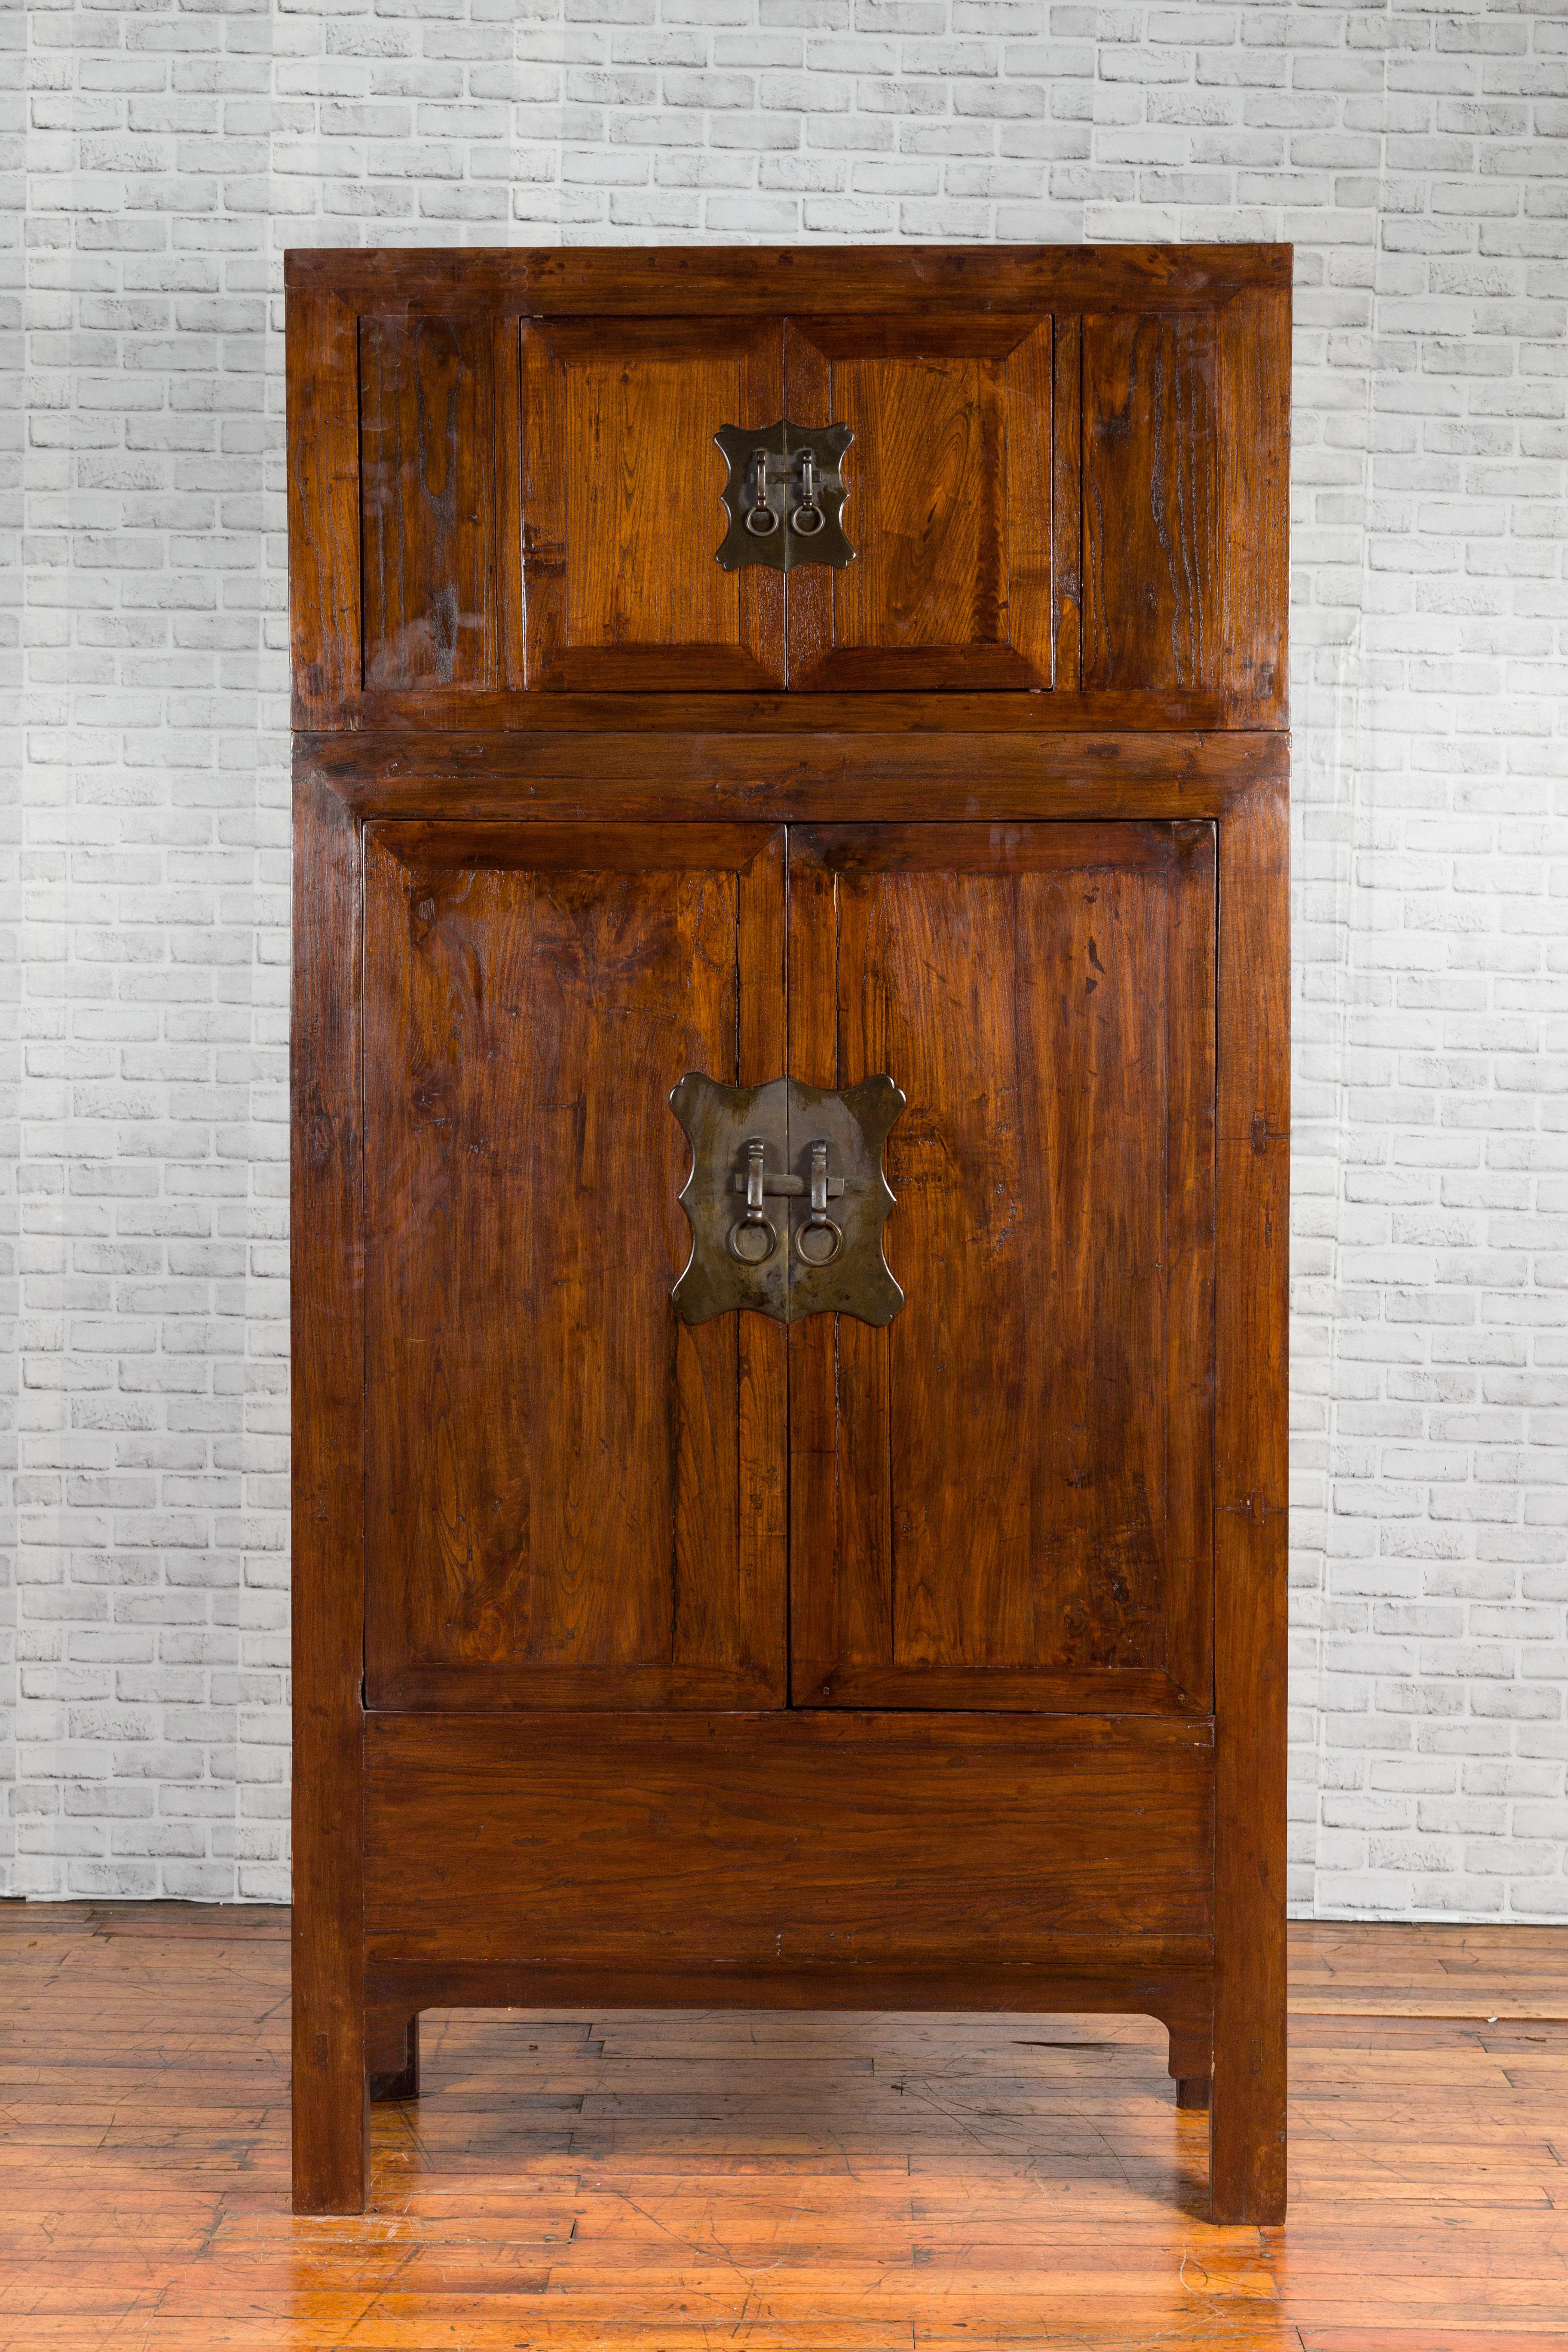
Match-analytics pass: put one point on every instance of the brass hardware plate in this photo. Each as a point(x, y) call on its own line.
point(801, 1149)
point(785, 495)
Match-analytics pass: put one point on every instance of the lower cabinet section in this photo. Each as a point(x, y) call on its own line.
point(775, 1842)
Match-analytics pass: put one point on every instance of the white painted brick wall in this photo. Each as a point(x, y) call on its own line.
point(1417, 156)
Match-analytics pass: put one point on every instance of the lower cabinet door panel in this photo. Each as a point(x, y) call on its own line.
point(789, 1839)
point(1005, 1499)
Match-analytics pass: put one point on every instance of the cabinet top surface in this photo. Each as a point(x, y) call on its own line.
point(666, 278)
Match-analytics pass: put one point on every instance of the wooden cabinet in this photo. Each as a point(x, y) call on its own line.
point(776, 1646)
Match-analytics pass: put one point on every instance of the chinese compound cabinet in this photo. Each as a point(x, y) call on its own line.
point(790, 1114)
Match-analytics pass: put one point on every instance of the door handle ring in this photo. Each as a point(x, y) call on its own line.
point(815, 1232)
point(754, 1238)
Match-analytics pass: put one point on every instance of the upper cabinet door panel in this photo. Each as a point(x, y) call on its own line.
point(426, 504)
point(621, 515)
point(949, 508)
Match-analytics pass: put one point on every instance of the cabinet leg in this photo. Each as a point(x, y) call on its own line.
point(330, 2115)
point(1246, 2132)
point(393, 2055)
point(1192, 2059)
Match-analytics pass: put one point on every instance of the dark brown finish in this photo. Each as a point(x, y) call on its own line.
point(1006, 1503)
point(1251, 1517)
point(1026, 834)
point(323, 508)
point(949, 507)
point(622, 514)
point(670, 280)
point(1068, 486)
point(328, 1597)
point(820, 1842)
point(1152, 557)
point(392, 2052)
point(427, 503)
point(783, 780)
point(1067, 506)
point(565, 1501)
point(1256, 473)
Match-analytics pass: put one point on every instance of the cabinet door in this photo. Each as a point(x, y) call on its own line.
point(1003, 1499)
point(622, 513)
point(573, 1499)
point(949, 508)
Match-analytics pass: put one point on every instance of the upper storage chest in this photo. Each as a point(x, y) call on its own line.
point(512, 502)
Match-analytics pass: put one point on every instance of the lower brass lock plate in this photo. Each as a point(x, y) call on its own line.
point(786, 1199)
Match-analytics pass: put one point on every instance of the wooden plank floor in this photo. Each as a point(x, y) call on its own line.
point(654, 2182)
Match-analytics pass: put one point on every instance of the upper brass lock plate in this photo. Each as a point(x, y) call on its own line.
point(786, 1199)
point(785, 495)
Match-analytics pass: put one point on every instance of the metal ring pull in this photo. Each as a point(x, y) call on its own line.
point(819, 1240)
point(808, 517)
point(760, 519)
point(753, 1237)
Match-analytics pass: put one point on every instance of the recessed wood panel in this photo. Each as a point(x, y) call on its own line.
point(426, 502)
point(786, 1841)
point(949, 505)
point(1006, 1496)
point(622, 513)
point(572, 1498)
point(1152, 555)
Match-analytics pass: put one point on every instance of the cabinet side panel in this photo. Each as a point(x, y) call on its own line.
point(1248, 2122)
point(328, 1598)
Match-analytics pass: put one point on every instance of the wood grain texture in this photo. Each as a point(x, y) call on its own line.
point(978, 571)
point(949, 507)
point(1251, 1468)
point(323, 506)
point(587, 1737)
point(327, 1472)
point(582, 2173)
point(1185, 710)
point(427, 502)
point(1254, 358)
point(1153, 558)
point(510, 620)
point(1066, 503)
point(552, 280)
point(859, 777)
point(1005, 1530)
point(788, 1841)
point(622, 506)
point(568, 1489)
